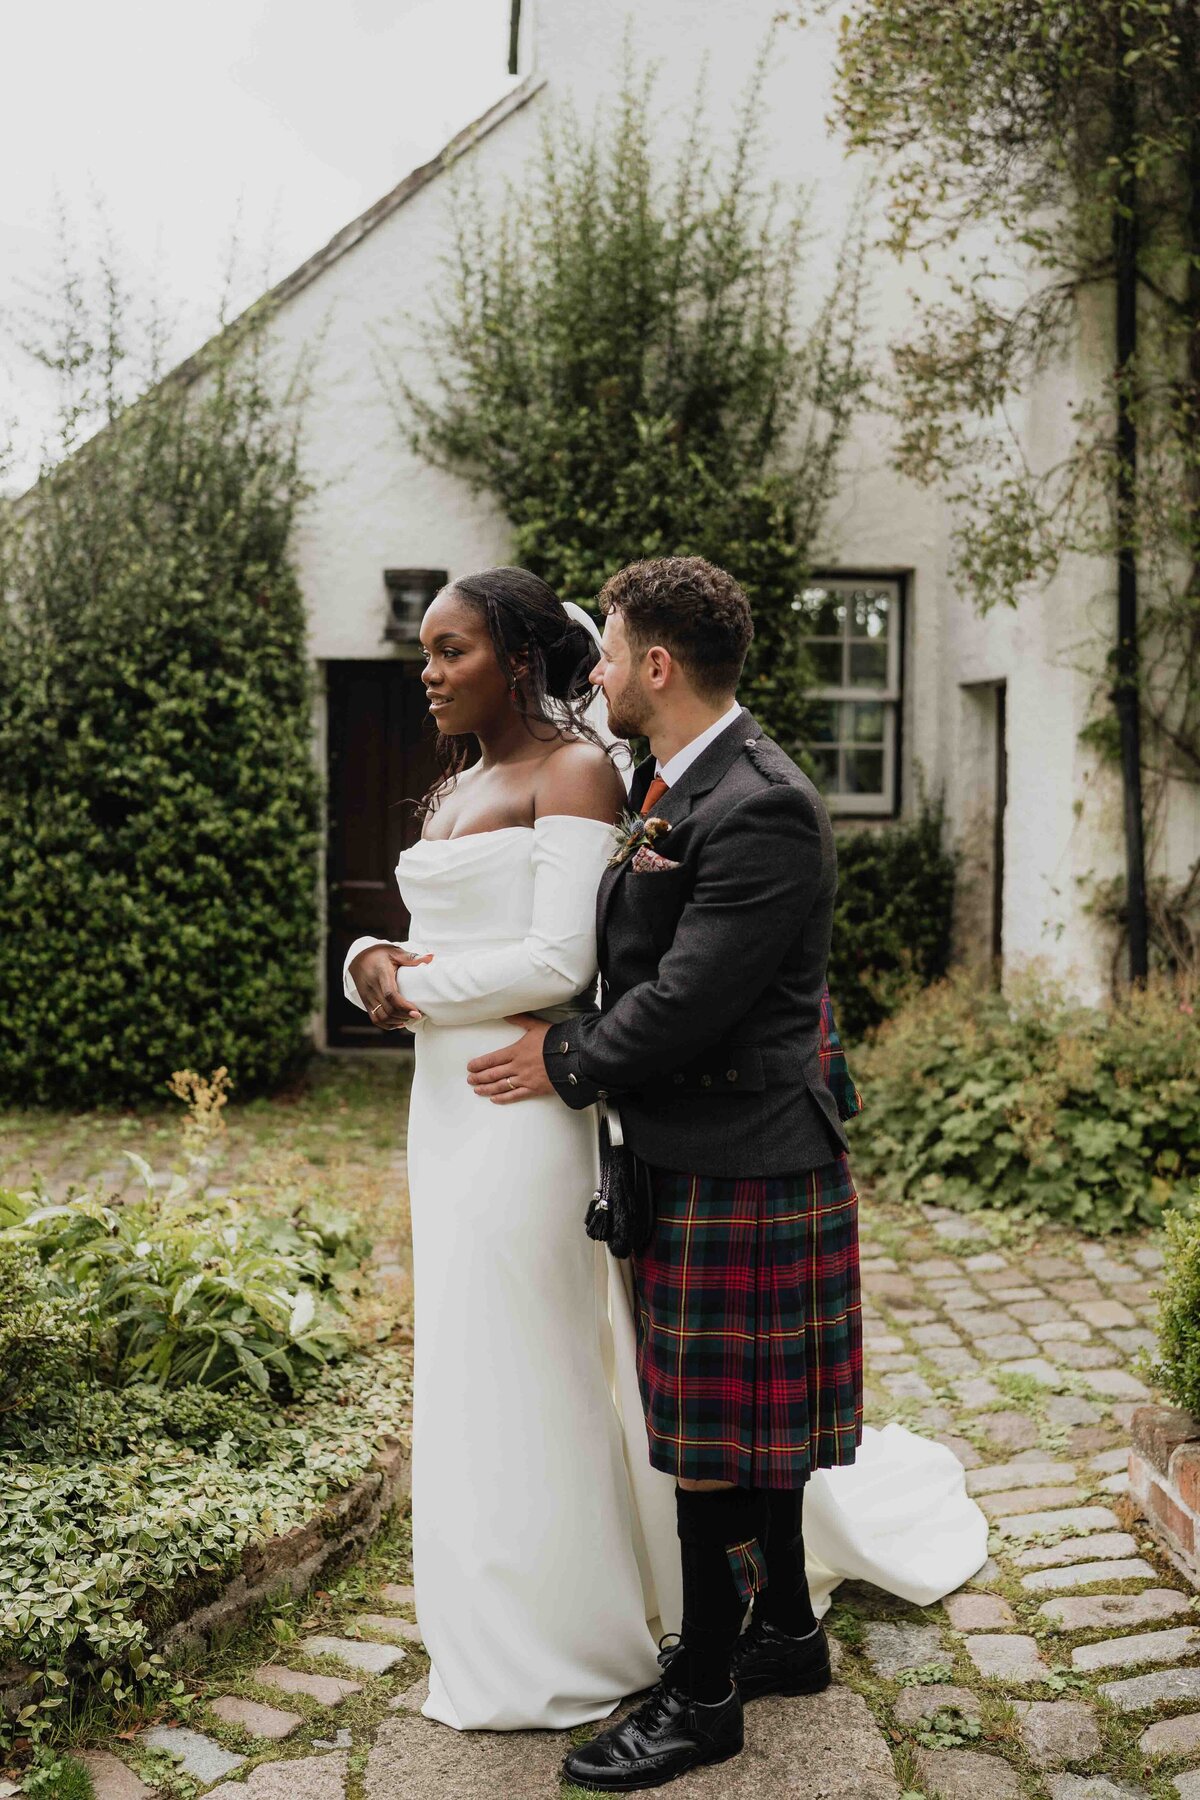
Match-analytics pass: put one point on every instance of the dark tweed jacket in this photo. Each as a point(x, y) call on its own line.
point(708, 1037)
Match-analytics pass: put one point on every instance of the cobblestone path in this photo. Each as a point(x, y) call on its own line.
point(1067, 1669)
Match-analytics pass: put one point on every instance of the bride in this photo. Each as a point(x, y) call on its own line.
point(544, 1545)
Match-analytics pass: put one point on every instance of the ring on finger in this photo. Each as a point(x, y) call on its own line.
point(511, 1085)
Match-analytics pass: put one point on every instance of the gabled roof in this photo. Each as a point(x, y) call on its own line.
point(193, 366)
point(366, 222)
point(352, 234)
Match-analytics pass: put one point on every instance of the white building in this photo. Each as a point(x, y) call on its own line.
point(986, 710)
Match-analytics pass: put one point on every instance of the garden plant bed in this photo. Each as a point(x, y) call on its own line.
point(291, 1562)
point(176, 1517)
point(205, 1391)
point(287, 1564)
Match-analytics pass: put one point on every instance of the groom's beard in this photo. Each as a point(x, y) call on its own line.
point(627, 715)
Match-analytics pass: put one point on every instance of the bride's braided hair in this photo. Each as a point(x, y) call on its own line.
point(527, 623)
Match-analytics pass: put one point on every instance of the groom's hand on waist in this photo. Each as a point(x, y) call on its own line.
point(518, 1072)
point(373, 973)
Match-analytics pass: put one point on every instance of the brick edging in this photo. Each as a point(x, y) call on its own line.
point(344, 1525)
point(291, 1562)
point(1164, 1479)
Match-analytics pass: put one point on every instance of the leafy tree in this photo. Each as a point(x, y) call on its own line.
point(1070, 131)
point(159, 807)
point(618, 358)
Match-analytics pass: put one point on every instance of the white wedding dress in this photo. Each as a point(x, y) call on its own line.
point(544, 1549)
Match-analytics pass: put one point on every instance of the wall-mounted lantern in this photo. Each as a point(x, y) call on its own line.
point(409, 592)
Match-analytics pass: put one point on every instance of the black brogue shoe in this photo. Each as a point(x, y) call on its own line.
point(664, 1737)
point(768, 1661)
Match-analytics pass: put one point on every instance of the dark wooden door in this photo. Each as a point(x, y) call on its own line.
point(380, 756)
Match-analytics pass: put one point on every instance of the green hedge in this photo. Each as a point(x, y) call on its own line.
point(894, 917)
point(159, 807)
point(1177, 1371)
point(1032, 1104)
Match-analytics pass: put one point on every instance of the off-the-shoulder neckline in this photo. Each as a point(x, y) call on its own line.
point(464, 837)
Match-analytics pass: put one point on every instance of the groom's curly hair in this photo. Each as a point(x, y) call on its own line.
point(693, 609)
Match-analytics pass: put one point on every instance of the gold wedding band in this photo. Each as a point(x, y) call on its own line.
point(511, 1082)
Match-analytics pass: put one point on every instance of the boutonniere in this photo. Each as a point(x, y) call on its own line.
point(631, 833)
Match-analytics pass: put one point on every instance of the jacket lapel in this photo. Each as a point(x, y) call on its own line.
point(638, 789)
point(709, 768)
point(675, 805)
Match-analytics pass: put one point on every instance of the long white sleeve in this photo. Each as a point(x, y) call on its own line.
point(363, 943)
point(553, 963)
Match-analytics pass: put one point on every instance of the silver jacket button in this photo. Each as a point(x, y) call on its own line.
point(571, 1081)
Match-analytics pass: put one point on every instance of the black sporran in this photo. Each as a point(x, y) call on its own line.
point(621, 1213)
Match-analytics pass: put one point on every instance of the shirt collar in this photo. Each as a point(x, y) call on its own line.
point(683, 759)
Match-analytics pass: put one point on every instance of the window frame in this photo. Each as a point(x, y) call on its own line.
point(886, 803)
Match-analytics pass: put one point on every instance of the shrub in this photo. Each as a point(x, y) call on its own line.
point(1177, 1371)
point(159, 808)
point(894, 918)
point(41, 1334)
point(1027, 1102)
point(630, 360)
point(178, 1289)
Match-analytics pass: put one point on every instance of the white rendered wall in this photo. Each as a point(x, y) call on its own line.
point(379, 506)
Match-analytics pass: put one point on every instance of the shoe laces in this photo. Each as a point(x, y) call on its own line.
point(653, 1709)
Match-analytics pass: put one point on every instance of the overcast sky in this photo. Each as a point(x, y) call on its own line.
point(284, 118)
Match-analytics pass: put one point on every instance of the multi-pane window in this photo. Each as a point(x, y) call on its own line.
point(854, 647)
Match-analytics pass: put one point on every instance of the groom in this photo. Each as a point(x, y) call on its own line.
point(713, 940)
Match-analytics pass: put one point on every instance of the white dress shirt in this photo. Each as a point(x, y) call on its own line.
point(672, 770)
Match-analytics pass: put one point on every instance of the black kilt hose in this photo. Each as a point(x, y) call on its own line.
point(749, 1326)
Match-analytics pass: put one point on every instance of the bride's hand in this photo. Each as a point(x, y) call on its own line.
point(373, 973)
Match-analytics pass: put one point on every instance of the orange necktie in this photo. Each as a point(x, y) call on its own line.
point(654, 794)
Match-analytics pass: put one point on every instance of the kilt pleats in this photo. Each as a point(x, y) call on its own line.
point(749, 1326)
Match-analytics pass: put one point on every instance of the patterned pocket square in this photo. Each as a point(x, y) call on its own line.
point(649, 862)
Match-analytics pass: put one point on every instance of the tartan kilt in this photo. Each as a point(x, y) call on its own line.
point(749, 1327)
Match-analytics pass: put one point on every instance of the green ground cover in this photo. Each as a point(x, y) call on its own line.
point(199, 1348)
